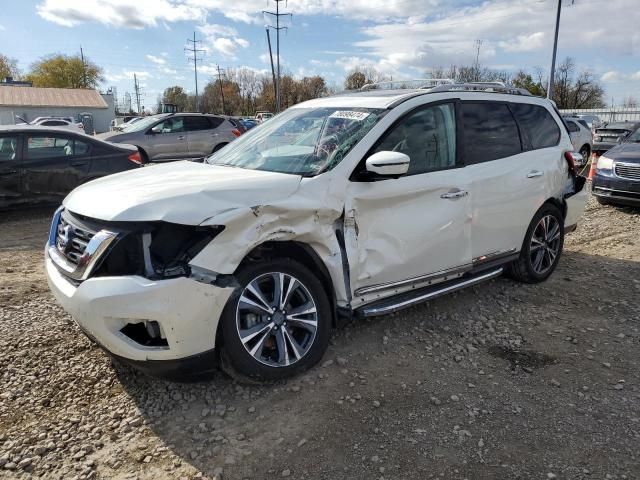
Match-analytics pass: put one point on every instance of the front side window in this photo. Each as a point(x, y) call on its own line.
point(490, 132)
point(171, 125)
point(8, 148)
point(539, 129)
point(302, 141)
point(427, 136)
point(52, 147)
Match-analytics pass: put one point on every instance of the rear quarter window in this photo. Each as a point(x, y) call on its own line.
point(490, 132)
point(538, 127)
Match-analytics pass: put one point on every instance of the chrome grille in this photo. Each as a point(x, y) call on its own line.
point(628, 170)
point(72, 240)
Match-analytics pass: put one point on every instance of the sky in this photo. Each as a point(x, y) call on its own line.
point(401, 38)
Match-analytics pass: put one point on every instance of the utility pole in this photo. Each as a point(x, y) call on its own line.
point(221, 89)
point(273, 71)
point(137, 90)
point(277, 28)
point(84, 69)
point(477, 64)
point(193, 50)
point(555, 48)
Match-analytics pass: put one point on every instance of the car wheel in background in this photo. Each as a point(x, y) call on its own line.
point(276, 324)
point(585, 151)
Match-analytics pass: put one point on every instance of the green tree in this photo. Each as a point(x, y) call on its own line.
point(65, 71)
point(8, 67)
point(176, 96)
point(524, 80)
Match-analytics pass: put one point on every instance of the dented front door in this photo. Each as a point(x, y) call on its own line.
point(404, 228)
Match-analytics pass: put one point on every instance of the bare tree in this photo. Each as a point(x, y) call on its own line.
point(630, 102)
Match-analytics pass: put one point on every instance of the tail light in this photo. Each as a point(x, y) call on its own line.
point(236, 132)
point(136, 158)
point(568, 156)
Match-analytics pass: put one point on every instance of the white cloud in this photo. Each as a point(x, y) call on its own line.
point(156, 60)
point(524, 43)
point(222, 39)
point(2, 28)
point(118, 13)
point(612, 76)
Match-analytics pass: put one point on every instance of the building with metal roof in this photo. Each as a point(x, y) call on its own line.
point(28, 103)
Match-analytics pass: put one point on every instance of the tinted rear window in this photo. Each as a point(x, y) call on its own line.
point(539, 129)
point(215, 121)
point(196, 123)
point(490, 132)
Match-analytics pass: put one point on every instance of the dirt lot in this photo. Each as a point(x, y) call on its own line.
point(504, 381)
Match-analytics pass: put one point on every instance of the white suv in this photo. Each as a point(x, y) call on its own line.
point(354, 205)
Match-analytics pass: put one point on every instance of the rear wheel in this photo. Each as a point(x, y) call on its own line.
point(218, 147)
point(585, 151)
point(541, 248)
point(276, 324)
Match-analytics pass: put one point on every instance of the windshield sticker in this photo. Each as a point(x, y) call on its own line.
point(349, 115)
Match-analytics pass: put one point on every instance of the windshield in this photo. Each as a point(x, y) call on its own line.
point(634, 137)
point(302, 141)
point(140, 125)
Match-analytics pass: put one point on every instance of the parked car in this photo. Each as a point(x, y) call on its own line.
point(43, 164)
point(60, 122)
point(262, 116)
point(617, 177)
point(126, 124)
point(592, 121)
point(248, 123)
point(176, 136)
point(386, 200)
point(581, 138)
point(610, 135)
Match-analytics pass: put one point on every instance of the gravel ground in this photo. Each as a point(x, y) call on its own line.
point(503, 380)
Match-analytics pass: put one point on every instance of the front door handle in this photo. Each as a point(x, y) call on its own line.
point(454, 194)
point(180, 137)
point(6, 173)
point(534, 174)
point(80, 163)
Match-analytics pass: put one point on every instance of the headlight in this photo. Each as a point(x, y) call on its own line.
point(604, 163)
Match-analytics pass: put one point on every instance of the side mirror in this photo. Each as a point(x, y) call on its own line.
point(156, 129)
point(388, 163)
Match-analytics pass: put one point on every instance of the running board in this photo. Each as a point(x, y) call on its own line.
point(405, 300)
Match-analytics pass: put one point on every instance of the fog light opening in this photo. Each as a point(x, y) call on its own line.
point(147, 333)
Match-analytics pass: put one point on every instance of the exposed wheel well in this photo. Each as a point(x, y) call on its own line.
point(562, 205)
point(145, 157)
point(301, 253)
point(588, 147)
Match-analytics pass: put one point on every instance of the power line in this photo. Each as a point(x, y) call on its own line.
point(193, 50)
point(277, 28)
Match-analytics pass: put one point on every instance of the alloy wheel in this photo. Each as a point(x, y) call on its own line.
point(276, 319)
point(545, 244)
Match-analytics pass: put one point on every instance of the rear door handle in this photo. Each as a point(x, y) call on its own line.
point(80, 163)
point(180, 137)
point(6, 173)
point(454, 194)
point(534, 174)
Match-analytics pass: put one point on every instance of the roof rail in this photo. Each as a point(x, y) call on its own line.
point(490, 87)
point(414, 83)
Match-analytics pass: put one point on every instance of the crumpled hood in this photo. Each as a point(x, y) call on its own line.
point(180, 192)
point(625, 152)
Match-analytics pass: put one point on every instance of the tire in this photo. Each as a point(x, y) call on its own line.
point(218, 147)
point(289, 345)
point(529, 267)
point(603, 201)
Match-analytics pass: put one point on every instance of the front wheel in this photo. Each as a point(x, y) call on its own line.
point(541, 248)
point(276, 324)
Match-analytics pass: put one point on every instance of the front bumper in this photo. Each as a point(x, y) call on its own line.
point(615, 189)
point(186, 310)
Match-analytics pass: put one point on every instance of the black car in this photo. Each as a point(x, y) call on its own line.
point(617, 177)
point(43, 164)
point(611, 135)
